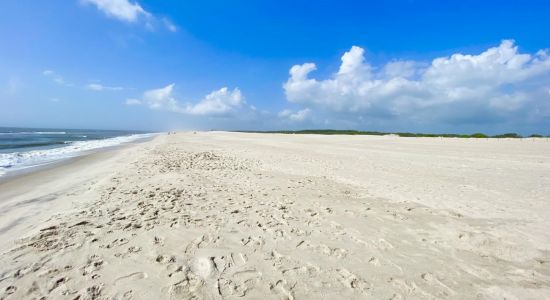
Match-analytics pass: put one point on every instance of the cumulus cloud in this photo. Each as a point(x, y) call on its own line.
point(161, 98)
point(99, 87)
point(297, 116)
point(217, 103)
point(497, 84)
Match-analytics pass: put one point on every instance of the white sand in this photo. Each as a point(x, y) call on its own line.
point(229, 215)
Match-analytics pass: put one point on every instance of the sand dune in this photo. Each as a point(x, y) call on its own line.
point(231, 215)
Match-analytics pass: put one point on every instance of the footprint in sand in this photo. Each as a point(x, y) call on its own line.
point(239, 283)
point(200, 242)
point(374, 261)
point(352, 281)
point(10, 290)
point(131, 276)
point(94, 263)
point(281, 288)
point(323, 249)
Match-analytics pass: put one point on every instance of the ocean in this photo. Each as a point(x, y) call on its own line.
point(22, 148)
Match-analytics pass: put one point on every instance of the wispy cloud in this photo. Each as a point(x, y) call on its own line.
point(217, 103)
point(96, 86)
point(131, 12)
point(55, 77)
point(169, 25)
point(133, 102)
point(99, 87)
point(123, 10)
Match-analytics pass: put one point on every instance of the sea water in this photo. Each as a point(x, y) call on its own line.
point(22, 148)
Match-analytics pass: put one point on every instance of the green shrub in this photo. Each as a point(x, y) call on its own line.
point(478, 135)
point(508, 135)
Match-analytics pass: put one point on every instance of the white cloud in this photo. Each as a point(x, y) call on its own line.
point(133, 102)
point(161, 98)
point(402, 68)
point(217, 102)
point(497, 82)
point(297, 116)
point(220, 102)
point(55, 99)
point(55, 77)
point(123, 10)
point(132, 12)
point(169, 25)
point(99, 87)
point(92, 86)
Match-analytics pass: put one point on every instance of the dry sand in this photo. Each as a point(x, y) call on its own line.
point(228, 215)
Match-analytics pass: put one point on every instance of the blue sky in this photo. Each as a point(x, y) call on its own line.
point(431, 66)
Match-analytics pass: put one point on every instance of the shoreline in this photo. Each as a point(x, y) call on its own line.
point(231, 215)
point(60, 161)
point(47, 180)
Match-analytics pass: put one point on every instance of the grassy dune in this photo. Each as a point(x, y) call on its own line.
point(401, 134)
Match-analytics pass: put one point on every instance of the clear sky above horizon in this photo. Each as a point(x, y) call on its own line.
point(425, 66)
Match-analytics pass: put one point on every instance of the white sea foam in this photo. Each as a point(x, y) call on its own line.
point(20, 160)
point(47, 132)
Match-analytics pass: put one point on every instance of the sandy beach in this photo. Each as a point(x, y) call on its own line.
point(220, 215)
